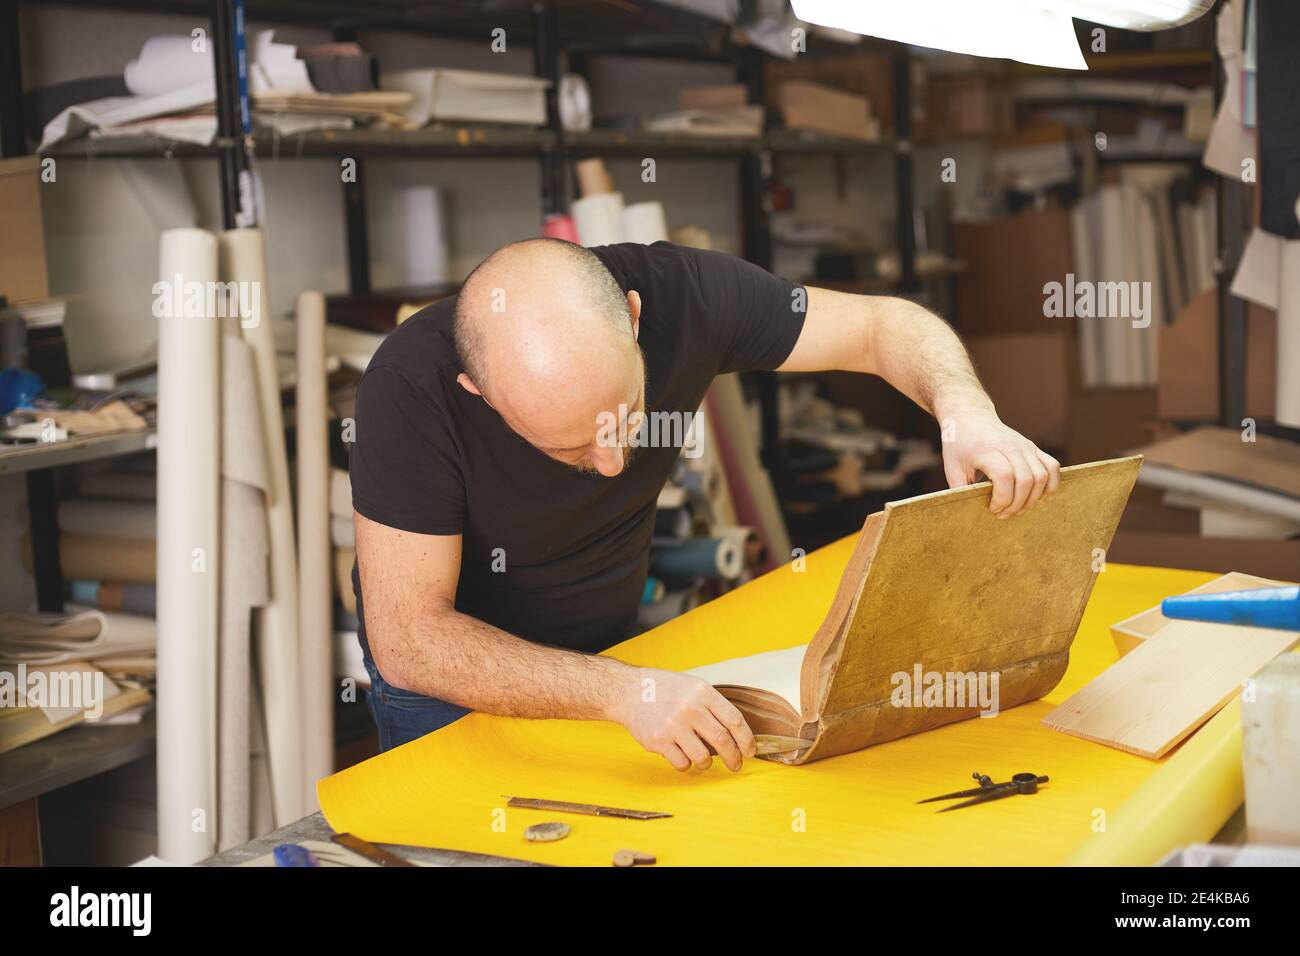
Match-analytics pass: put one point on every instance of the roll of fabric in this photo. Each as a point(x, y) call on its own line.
point(113, 519)
point(315, 596)
point(560, 226)
point(645, 222)
point(188, 556)
point(653, 591)
point(749, 543)
point(700, 558)
point(111, 596)
point(88, 557)
point(243, 259)
point(599, 218)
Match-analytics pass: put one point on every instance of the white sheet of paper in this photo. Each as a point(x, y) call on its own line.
point(775, 671)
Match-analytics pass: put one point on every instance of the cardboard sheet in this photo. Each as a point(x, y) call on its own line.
point(449, 789)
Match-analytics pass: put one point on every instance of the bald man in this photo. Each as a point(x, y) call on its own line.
point(503, 531)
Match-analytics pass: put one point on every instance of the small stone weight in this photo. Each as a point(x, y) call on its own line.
point(632, 858)
point(547, 832)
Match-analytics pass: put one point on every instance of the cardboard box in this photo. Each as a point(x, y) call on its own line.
point(725, 96)
point(1028, 376)
point(868, 76)
point(23, 275)
point(1132, 631)
point(1106, 422)
point(1188, 377)
point(1279, 560)
point(1008, 262)
point(971, 104)
point(824, 109)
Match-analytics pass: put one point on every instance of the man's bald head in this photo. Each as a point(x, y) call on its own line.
point(548, 338)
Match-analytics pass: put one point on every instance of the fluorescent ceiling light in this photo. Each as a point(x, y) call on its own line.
point(1031, 31)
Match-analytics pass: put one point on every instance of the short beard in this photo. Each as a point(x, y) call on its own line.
point(587, 468)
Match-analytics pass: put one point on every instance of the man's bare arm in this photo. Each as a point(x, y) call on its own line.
point(916, 352)
point(421, 643)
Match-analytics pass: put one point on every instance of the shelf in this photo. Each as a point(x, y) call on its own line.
point(480, 141)
point(71, 451)
point(635, 142)
point(800, 141)
point(71, 756)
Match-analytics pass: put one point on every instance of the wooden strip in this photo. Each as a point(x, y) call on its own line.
point(588, 809)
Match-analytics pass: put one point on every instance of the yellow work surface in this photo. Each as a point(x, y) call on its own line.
point(449, 789)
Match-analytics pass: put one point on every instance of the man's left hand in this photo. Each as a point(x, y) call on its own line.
point(978, 443)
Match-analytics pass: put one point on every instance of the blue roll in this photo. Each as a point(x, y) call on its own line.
point(1277, 608)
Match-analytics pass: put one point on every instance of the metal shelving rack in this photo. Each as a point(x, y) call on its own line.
point(555, 29)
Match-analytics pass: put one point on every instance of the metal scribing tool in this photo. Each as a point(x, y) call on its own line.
point(988, 790)
point(1277, 608)
point(587, 809)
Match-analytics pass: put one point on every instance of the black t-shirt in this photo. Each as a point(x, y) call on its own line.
point(432, 458)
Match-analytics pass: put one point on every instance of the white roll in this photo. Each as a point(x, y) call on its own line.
point(315, 596)
point(187, 557)
point(599, 218)
point(243, 259)
point(411, 248)
point(574, 103)
point(167, 63)
point(644, 222)
point(1288, 337)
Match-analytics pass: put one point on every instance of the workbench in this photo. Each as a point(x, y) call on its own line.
point(1102, 806)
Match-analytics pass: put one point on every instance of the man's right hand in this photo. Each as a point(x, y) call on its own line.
point(683, 719)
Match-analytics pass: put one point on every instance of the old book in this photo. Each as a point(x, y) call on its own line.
point(944, 612)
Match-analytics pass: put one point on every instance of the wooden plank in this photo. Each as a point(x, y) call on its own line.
point(1159, 693)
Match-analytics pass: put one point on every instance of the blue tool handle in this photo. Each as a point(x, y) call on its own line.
point(1277, 608)
point(291, 854)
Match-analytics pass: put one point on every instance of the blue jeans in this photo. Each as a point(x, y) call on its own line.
point(402, 715)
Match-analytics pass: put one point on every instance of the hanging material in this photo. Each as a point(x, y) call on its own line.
point(189, 430)
point(243, 260)
point(751, 488)
point(245, 548)
point(315, 596)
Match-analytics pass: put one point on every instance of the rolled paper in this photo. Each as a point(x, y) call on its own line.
point(189, 430)
point(644, 222)
point(593, 177)
point(599, 219)
point(700, 558)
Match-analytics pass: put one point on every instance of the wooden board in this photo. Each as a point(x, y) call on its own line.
point(1159, 693)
